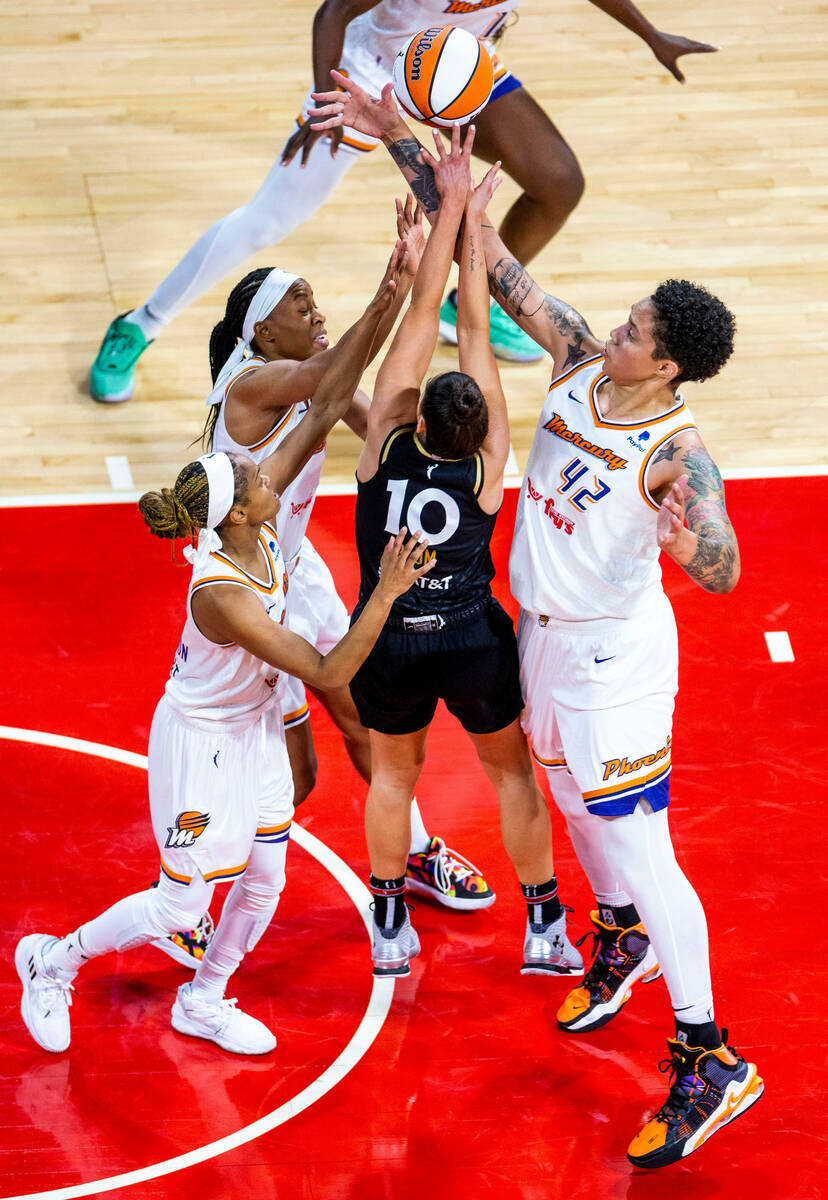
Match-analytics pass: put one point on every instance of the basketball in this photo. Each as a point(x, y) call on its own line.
point(443, 76)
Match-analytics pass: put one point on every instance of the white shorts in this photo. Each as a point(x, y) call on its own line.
point(316, 613)
point(213, 794)
point(599, 701)
point(369, 64)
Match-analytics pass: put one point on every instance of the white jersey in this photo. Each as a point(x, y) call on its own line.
point(585, 535)
point(225, 687)
point(298, 496)
point(382, 30)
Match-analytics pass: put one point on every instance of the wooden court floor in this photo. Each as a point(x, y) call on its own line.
point(128, 128)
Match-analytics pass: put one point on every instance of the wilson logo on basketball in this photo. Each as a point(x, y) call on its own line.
point(188, 826)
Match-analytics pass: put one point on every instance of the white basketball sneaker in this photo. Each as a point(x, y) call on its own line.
point(46, 998)
point(221, 1022)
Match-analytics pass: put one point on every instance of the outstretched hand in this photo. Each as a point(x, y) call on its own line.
point(410, 229)
point(668, 49)
point(304, 140)
point(452, 170)
point(391, 279)
point(398, 565)
point(352, 106)
point(480, 196)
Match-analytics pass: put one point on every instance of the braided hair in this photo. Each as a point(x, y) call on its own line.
point(227, 332)
point(179, 511)
point(455, 414)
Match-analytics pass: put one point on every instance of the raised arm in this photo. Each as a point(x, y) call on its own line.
point(397, 387)
point(666, 47)
point(686, 481)
point(335, 392)
point(555, 325)
point(230, 614)
point(474, 349)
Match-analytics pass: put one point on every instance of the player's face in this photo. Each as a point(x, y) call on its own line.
point(298, 325)
point(630, 347)
point(262, 504)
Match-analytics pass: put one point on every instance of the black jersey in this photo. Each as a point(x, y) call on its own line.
point(438, 496)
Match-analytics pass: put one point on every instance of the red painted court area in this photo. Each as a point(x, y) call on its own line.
point(468, 1087)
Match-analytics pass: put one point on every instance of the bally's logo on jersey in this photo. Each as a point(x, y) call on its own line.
point(188, 826)
point(624, 766)
point(295, 509)
point(557, 518)
point(557, 425)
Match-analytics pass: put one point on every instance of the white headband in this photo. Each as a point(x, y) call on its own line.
point(221, 490)
point(272, 289)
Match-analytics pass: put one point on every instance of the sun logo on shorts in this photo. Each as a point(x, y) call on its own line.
point(188, 826)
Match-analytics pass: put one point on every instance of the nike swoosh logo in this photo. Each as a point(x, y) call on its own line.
point(600, 660)
point(575, 398)
point(754, 1084)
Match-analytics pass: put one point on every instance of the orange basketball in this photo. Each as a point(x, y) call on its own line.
point(443, 75)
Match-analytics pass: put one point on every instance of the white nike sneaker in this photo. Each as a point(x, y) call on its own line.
point(220, 1022)
point(46, 998)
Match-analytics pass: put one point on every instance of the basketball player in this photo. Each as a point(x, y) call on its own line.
point(268, 354)
point(363, 37)
point(616, 468)
point(437, 460)
point(221, 794)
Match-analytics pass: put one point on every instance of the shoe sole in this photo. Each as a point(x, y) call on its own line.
point(752, 1091)
point(511, 356)
point(595, 1019)
point(181, 1024)
point(112, 397)
point(182, 957)
point(21, 965)
point(422, 889)
point(530, 968)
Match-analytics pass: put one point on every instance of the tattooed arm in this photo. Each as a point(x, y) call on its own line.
point(555, 325)
point(687, 482)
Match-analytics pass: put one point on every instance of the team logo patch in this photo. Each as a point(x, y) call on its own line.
point(188, 826)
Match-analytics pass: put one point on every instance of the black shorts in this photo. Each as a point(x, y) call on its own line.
point(471, 664)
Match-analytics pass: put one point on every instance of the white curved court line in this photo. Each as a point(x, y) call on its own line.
point(370, 1025)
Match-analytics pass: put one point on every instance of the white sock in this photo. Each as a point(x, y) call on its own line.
point(420, 839)
point(289, 196)
point(149, 325)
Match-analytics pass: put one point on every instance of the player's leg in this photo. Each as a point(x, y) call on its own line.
point(201, 1009)
point(711, 1083)
point(514, 129)
point(47, 964)
point(397, 761)
point(527, 838)
point(288, 196)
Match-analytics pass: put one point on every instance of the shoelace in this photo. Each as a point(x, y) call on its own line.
point(608, 957)
point(119, 343)
point(53, 992)
point(448, 864)
point(683, 1091)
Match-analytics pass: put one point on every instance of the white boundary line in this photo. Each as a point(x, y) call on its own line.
point(60, 500)
point(370, 1025)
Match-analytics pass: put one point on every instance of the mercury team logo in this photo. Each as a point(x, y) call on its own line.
point(188, 826)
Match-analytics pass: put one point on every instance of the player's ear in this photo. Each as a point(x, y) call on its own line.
point(668, 370)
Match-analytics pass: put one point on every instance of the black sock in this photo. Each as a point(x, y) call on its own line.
point(389, 901)
point(542, 901)
point(705, 1034)
point(622, 915)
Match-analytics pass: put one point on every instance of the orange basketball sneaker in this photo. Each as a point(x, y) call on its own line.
point(624, 956)
point(709, 1089)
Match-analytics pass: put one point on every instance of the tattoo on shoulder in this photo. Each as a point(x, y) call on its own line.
point(406, 153)
point(665, 453)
